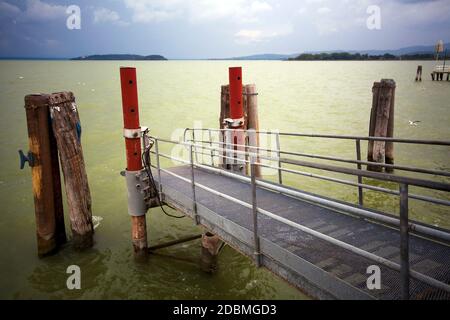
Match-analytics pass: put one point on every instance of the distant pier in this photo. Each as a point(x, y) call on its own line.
point(440, 73)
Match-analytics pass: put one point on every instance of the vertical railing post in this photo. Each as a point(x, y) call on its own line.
point(158, 167)
point(193, 142)
point(358, 157)
point(194, 198)
point(404, 242)
point(280, 172)
point(229, 160)
point(257, 251)
point(211, 146)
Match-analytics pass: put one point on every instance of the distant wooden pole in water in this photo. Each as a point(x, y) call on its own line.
point(46, 183)
point(67, 130)
point(381, 123)
point(419, 73)
point(133, 150)
point(253, 122)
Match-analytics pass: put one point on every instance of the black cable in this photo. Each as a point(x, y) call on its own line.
point(148, 170)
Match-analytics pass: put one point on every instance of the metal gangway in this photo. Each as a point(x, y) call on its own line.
point(323, 245)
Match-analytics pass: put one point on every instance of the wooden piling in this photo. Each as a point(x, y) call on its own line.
point(46, 184)
point(211, 245)
point(67, 130)
point(373, 110)
point(57, 190)
point(389, 147)
point(139, 236)
point(253, 121)
point(419, 73)
point(380, 125)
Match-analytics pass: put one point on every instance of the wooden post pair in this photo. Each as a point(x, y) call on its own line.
point(251, 120)
point(54, 125)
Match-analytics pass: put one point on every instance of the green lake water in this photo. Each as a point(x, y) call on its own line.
point(319, 97)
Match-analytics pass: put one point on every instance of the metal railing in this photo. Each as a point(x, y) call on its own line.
point(358, 162)
point(403, 222)
point(442, 68)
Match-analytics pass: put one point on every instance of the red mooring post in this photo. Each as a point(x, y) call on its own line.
point(236, 105)
point(237, 117)
point(132, 135)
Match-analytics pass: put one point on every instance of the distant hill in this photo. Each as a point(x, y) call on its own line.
point(360, 57)
point(403, 51)
point(121, 57)
point(406, 51)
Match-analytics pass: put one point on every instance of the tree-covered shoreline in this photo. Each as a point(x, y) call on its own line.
point(346, 56)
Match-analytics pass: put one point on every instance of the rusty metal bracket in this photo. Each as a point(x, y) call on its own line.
point(233, 123)
point(30, 158)
point(140, 196)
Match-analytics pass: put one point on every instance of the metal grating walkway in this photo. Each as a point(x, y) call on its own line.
point(322, 269)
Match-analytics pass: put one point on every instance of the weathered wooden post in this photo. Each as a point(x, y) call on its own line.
point(389, 147)
point(132, 135)
point(211, 245)
point(381, 123)
point(43, 160)
point(253, 122)
point(67, 130)
point(419, 73)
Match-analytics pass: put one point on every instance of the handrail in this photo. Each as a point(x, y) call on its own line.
point(331, 136)
point(356, 172)
point(336, 159)
point(341, 181)
point(358, 211)
point(345, 182)
point(375, 175)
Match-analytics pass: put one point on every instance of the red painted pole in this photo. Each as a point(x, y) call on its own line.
point(131, 117)
point(237, 115)
point(236, 104)
point(133, 149)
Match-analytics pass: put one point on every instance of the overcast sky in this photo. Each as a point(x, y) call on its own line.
point(216, 28)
